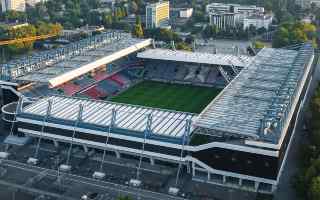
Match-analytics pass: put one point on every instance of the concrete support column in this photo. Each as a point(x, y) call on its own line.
point(209, 176)
point(193, 169)
point(273, 188)
point(224, 179)
point(151, 161)
point(188, 168)
point(256, 186)
point(118, 154)
point(85, 148)
point(240, 182)
point(55, 143)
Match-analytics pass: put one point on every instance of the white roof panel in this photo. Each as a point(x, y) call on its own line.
point(196, 57)
point(259, 95)
point(63, 64)
point(130, 117)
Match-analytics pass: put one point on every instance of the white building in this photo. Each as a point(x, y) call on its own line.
point(235, 15)
point(158, 15)
point(245, 9)
point(224, 20)
point(186, 13)
point(34, 2)
point(18, 5)
point(257, 21)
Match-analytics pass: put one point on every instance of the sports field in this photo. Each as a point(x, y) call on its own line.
point(178, 97)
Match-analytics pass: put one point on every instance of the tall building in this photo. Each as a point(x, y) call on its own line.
point(18, 5)
point(157, 15)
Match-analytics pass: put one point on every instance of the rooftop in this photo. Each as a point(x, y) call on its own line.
point(131, 118)
point(233, 4)
point(63, 64)
point(196, 57)
point(257, 102)
point(261, 17)
point(160, 3)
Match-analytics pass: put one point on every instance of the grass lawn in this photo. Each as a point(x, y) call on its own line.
point(185, 98)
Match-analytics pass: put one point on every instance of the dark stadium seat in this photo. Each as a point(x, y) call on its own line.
point(108, 86)
point(84, 81)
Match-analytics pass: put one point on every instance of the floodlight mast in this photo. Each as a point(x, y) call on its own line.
point(185, 137)
point(49, 109)
point(111, 125)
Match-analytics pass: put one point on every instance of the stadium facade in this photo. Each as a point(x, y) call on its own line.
point(240, 139)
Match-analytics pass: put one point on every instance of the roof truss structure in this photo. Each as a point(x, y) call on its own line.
point(257, 102)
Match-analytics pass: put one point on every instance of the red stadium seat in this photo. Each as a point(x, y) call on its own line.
point(94, 93)
point(118, 79)
point(101, 76)
point(70, 88)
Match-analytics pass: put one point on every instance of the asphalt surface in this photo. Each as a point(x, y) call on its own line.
point(73, 184)
point(155, 180)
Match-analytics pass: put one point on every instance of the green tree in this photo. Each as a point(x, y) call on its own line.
point(314, 192)
point(4, 32)
point(22, 32)
point(138, 19)
point(107, 21)
point(137, 31)
point(183, 46)
point(307, 181)
point(210, 31)
point(294, 33)
point(133, 7)
point(258, 45)
point(124, 198)
point(13, 16)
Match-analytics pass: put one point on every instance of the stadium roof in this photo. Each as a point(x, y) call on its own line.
point(134, 118)
point(196, 57)
point(63, 64)
point(257, 102)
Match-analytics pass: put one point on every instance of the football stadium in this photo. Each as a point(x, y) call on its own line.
point(223, 119)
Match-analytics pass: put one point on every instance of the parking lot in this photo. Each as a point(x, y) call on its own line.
point(45, 181)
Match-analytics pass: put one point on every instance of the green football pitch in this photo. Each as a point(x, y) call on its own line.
point(178, 97)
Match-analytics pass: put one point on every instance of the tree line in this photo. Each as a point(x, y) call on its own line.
point(10, 32)
point(294, 33)
point(307, 181)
